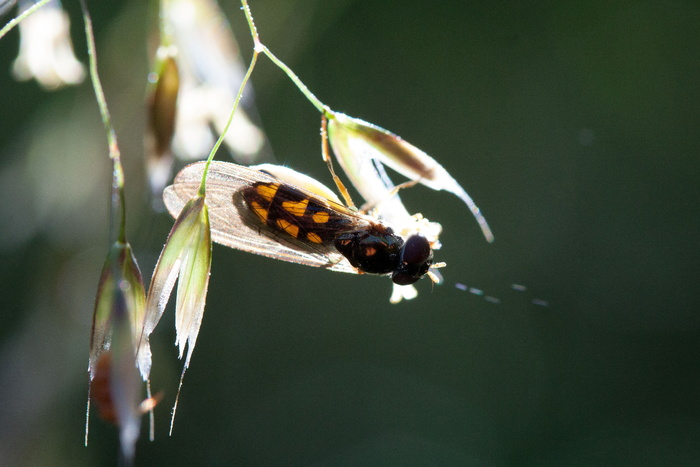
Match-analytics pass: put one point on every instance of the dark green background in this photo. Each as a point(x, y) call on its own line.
point(574, 125)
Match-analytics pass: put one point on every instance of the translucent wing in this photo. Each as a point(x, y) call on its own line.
point(235, 227)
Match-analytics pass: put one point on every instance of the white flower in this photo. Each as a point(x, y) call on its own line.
point(45, 48)
point(211, 70)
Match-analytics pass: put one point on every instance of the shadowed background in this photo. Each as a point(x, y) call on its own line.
point(573, 125)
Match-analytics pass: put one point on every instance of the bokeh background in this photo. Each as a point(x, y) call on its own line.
point(574, 125)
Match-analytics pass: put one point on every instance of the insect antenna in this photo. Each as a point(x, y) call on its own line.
point(434, 277)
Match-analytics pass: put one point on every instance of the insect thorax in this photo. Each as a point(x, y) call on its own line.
point(375, 251)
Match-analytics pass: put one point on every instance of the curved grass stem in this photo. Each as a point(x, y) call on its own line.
point(118, 209)
point(261, 48)
point(15, 21)
point(258, 48)
point(253, 61)
point(323, 108)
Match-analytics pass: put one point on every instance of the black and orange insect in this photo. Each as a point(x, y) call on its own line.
point(277, 212)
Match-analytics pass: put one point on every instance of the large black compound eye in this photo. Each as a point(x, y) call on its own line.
point(415, 260)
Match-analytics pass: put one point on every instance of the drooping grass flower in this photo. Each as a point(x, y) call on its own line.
point(117, 323)
point(186, 257)
point(362, 148)
point(45, 48)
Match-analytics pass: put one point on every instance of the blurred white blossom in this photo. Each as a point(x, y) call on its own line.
point(45, 48)
point(211, 72)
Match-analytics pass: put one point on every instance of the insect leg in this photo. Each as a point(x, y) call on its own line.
point(329, 162)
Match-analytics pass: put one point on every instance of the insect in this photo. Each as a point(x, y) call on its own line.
point(277, 212)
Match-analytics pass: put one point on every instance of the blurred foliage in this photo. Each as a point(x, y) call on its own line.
point(574, 125)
